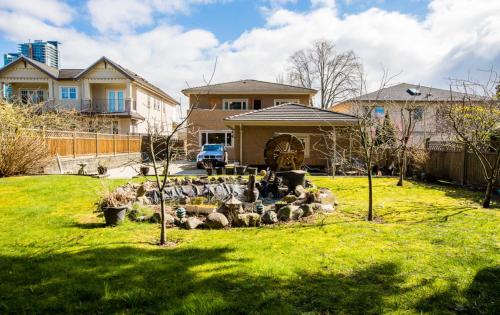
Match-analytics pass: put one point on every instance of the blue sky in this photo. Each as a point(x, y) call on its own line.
point(173, 43)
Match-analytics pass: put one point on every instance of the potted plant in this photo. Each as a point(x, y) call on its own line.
point(114, 207)
point(102, 168)
point(252, 170)
point(218, 170)
point(229, 170)
point(240, 169)
point(209, 171)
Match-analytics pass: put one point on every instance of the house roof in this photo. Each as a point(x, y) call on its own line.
point(249, 86)
point(410, 92)
point(292, 113)
point(75, 74)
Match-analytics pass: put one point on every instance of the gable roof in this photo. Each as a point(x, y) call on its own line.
point(130, 75)
point(402, 92)
point(249, 86)
point(48, 70)
point(293, 113)
point(76, 74)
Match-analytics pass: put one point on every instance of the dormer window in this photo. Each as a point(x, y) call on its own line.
point(414, 91)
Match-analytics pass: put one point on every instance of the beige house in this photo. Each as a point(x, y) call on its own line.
point(120, 99)
point(244, 114)
point(426, 101)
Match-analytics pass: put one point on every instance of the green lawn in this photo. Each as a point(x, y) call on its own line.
point(432, 250)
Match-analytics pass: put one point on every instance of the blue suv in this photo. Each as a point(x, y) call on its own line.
point(212, 153)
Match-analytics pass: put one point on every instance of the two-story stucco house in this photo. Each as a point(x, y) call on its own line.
point(243, 115)
point(426, 102)
point(123, 101)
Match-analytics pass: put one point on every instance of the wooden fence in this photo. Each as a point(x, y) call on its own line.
point(76, 144)
point(449, 161)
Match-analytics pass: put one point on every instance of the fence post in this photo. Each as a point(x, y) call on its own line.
point(96, 144)
point(464, 166)
point(114, 144)
point(74, 144)
point(128, 143)
point(44, 135)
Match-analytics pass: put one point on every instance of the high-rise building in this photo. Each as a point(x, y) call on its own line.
point(45, 52)
point(9, 57)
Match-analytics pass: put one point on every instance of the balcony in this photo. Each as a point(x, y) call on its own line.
point(110, 107)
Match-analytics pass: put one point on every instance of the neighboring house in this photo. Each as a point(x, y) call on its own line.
point(120, 99)
point(426, 100)
point(244, 114)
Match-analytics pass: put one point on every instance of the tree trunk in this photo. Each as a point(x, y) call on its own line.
point(487, 195)
point(370, 194)
point(402, 167)
point(163, 234)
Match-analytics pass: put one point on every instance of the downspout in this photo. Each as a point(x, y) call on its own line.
point(241, 144)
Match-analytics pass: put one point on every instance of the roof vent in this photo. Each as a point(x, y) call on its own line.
point(414, 91)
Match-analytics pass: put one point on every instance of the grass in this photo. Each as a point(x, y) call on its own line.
point(432, 250)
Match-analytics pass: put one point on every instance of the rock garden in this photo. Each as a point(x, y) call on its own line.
point(220, 202)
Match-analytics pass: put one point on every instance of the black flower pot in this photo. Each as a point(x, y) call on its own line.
point(229, 170)
point(209, 171)
point(114, 215)
point(218, 170)
point(252, 170)
point(240, 170)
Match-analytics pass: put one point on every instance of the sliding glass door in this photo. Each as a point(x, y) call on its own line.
point(116, 101)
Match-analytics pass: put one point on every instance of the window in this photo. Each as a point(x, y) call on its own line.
point(257, 104)
point(115, 127)
point(379, 111)
point(217, 137)
point(116, 102)
point(285, 101)
point(235, 104)
point(31, 96)
point(69, 92)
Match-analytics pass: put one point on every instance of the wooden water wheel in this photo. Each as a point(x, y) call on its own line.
point(284, 152)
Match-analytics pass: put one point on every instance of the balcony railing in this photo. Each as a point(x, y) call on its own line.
point(105, 106)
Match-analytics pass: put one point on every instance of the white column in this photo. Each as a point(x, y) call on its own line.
point(51, 90)
point(129, 96)
point(2, 85)
point(241, 144)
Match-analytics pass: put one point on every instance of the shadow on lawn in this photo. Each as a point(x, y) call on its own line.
point(179, 281)
point(482, 296)
point(189, 280)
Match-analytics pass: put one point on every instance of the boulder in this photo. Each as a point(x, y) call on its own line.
point(299, 190)
point(133, 214)
point(297, 213)
point(289, 198)
point(192, 223)
point(285, 213)
point(184, 200)
point(169, 219)
point(307, 210)
point(269, 217)
point(248, 219)
point(155, 218)
point(216, 221)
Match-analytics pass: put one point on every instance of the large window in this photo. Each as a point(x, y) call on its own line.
point(286, 101)
point(235, 104)
point(69, 92)
point(30, 96)
point(224, 137)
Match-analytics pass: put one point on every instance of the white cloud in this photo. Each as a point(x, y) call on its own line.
point(124, 16)
point(454, 36)
point(53, 11)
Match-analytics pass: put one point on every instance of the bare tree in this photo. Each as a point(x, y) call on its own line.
point(161, 145)
point(475, 121)
point(367, 138)
point(335, 74)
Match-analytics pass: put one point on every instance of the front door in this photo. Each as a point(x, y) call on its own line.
point(116, 103)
